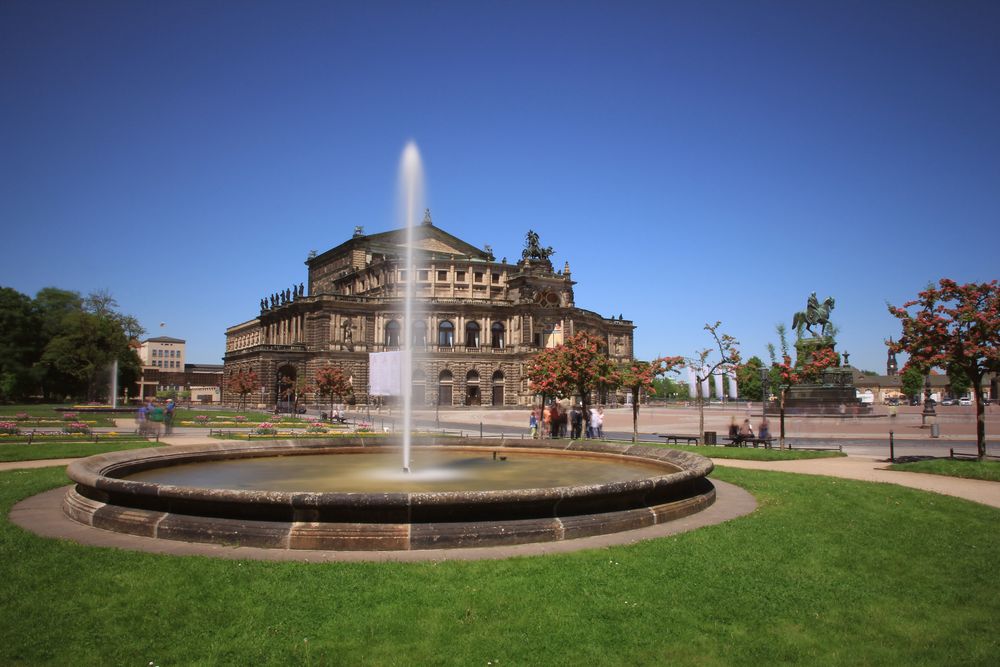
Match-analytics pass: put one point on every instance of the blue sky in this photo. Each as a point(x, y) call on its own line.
point(693, 161)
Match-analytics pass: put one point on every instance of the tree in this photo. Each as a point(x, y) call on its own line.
point(638, 376)
point(19, 344)
point(242, 382)
point(956, 328)
point(333, 382)
point(785, 375)
point(575, 368)
point(913, 381)
point(729, 358)
point(669, 388)
point(748, 379)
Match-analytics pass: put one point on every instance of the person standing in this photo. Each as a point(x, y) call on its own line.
point(533, 424)
point(546, 421)
point(600, 422)
point(576, 422)
point(556, 417)
point(168, 417)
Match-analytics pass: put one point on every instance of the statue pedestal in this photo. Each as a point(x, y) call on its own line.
point(832, 393)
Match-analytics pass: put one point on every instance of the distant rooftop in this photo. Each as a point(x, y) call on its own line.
point(163, 339)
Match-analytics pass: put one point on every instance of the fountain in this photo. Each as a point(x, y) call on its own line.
point(411, 196)
point(340, 494)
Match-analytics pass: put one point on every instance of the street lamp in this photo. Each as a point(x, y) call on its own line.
point(928, 415)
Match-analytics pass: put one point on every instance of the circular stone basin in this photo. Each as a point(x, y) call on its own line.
point(351, 493)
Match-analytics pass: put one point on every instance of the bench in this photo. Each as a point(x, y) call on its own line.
point(689, 439)
point(740, 441)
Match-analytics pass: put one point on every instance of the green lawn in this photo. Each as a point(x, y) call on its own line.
point(751, 453)
point(971, 469)
point(826, 571)
point(64, 450)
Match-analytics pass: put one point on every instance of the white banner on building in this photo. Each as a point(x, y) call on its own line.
point(733, 394)
point(718, 386)
point(385, 370)
point(704, 383)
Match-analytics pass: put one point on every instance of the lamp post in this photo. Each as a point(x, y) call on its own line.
point(928, 415)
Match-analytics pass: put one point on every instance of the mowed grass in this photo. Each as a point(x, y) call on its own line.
point(751, 453)
point(45, 414)
point(970, 469)
point(826, 571)
point(63, 450)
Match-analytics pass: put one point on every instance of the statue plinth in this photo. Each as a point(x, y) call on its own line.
point(806, 348)
point(832, 393)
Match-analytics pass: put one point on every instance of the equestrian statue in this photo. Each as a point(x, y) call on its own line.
point(815, 313)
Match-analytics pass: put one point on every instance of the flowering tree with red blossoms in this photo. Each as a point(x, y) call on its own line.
point(577, 367)
point(333, 382)
point(242, 382)
point(638, 376)
point(955, 328)
point(786, 375)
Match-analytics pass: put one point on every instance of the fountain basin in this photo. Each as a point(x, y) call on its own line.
point(669, 484)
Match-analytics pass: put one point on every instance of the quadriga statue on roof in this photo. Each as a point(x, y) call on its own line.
point(816, 313)
point(533, 249)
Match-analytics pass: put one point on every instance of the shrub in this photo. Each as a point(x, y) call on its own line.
point(76, 427)
point(70, 416)
point(201, 419)
point(9, 428)
point(22, 416)
point(240, 418)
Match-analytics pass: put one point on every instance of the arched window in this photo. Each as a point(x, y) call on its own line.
point(446, 334)
point(392, 333)
point(419, 339)
point(472, 334)
point(445, 384)
point(496, 336)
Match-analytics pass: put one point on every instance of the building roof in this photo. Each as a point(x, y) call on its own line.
point(426, 236)
point(203, 368)
point(163, 339)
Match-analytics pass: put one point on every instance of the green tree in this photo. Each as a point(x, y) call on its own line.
point(19, 344)
point(748, 379)
point(913, 381)
point(638, 376)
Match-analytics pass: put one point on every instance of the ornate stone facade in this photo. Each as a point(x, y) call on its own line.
point(478, 320)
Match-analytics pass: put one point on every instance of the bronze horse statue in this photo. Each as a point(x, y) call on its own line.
point(815, 313)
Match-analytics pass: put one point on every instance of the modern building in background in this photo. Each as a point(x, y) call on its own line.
point(164, 368)
point(478, 321)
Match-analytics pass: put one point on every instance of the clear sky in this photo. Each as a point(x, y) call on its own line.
point(693, 161)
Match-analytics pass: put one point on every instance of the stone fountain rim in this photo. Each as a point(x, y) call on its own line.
point(95, 471)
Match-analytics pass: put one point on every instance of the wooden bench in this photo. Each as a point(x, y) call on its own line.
point(740, 441)
point(689, 439)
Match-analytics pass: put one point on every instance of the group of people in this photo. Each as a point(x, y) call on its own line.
point(152, 414)
point(741, 432)
point(552, 420)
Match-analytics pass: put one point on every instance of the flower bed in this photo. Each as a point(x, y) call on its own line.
point(266, 428)
point(77, 427)
point(9, 428)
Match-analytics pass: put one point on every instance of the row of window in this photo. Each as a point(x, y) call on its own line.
point(166, 353)
point(424, 275)
point(166, 363)
point(446, 334)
